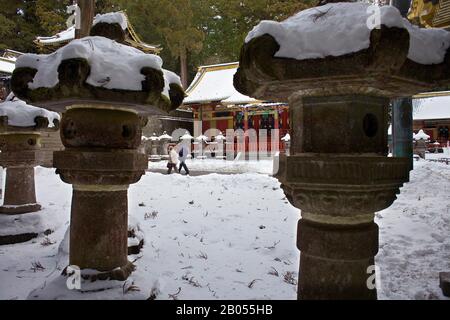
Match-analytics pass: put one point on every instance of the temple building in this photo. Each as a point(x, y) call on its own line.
point(218, 105)
point(50, 44)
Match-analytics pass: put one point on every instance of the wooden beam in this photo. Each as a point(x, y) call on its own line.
point(87, 10)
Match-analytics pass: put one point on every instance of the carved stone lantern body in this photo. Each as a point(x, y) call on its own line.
point(101, 131)
point(338, 172)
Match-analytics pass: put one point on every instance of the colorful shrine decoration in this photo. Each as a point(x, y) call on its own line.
point(219, 107)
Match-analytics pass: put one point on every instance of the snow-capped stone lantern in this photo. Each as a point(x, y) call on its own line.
point(154, 148)
point(421, 143)
point(338, 172)
point(219, 142)
point(165, 140)
point(287, 142)
point(201, 141)
point(20, 143)
point(106, 91)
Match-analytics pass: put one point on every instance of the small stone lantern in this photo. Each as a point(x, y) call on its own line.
point(20, 143)
point(338, 172)
point(106, 90)
point(421, 143)
point(165, 140)
point(154, 148)
point(201, 141)
point(287, 143)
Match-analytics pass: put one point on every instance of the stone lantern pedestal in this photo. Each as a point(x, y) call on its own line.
point(101, 160)
point(20, 154)
point(338, 172)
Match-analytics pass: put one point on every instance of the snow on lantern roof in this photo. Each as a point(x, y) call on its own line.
point(154, 137)
point(165, 136)
point(421, 135)
point(432, 108)
point(21, 114)
point(131, 38)
point(202, 138)
point(220, 137)
point(186, 136)
point(286, 138)
point(214, 83)
point(312, 33)
point(113, 65)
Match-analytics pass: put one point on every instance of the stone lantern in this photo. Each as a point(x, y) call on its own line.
point(421, 143)
point(106, 90)
point(154, 148)
point(338, 172)
point(201, 142)
point(20, 142)
point(165, 140)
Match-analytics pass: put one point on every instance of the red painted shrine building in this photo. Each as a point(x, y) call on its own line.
point(215, 102)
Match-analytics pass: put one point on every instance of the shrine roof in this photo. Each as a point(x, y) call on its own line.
point(214, 83)
point(432, 108)
point(65, 36)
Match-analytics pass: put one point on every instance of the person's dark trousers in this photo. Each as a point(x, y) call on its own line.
point(184, 166)
point(172, 166)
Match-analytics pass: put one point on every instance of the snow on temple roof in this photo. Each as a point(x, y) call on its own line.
point(312, 33)
point(214, 83)
point(112, 17)
point(21, 114)
point(7, 65)
point(120, 17)
point(432, 108)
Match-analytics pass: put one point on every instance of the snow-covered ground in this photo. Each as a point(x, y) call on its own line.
point(222, 166)
point(233, 237)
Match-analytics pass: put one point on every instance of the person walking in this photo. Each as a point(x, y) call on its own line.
point(173, 160)
point(184, 151)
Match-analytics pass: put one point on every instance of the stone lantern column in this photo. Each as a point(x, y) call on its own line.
point(20, 154)
point(338, 172)
point(100, 160)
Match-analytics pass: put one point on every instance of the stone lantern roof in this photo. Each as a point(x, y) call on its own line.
point(301, 55)
point(100, 69)
point(17, 115)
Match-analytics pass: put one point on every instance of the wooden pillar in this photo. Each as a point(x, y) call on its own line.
point(87, 10)
point(402, 129)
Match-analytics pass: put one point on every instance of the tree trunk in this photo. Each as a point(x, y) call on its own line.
point(183, 67)
point(87, 10)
